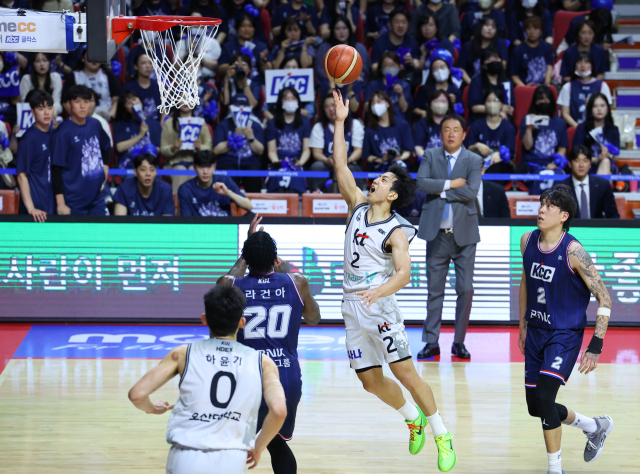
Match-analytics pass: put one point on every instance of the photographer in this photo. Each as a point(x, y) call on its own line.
point(236, 81)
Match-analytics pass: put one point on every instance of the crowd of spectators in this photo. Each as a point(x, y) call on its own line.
point(418, 66)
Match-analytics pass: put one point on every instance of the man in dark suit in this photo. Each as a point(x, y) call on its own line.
point(494, 201)
point(593, 194)
point(450, 177)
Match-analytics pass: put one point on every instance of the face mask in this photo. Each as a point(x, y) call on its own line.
point(493, 108)
point(379, 109)
point(439, 108)
point(435, 1)
point(290, 107)
point(441, 75)
point(587, 73)
point(529, 3)
point(390, 70)
point(494, 67)
point(544, 109)
point(484, 4)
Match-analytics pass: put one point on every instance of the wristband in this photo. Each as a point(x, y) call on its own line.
point(604, 312)
point(595, 346)
point(251, 140)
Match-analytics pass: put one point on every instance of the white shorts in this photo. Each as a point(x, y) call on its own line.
point(183, 460)
point(374, 334)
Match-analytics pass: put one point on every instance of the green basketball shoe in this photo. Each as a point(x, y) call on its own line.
point(417, 437)
point(446, 455)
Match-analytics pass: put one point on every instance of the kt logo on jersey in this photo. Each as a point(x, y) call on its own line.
point(542, 272)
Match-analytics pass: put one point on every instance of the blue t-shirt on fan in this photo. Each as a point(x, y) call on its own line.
point(580, 93)
point(289, 144)
point(129, 129)
point(474, 14)
point(426, 134)
point(284, 11)
point(569, 59)
point(473, 66)
point(34, 159)
point(530, 64)
point(377, 20)
point(159, 202)
point(150, 97)
point(78, 150)
point(377, 141)
point(232, 46)
point(516, 27)
point(383, 44)
point(476, 95)
point(196, 201)
point(546, 139)
point(504, 134)
point(243, 156)
point(609, 135)
point(394, 97)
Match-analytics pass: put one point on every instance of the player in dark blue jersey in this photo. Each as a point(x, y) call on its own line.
point(277, 300)
point(558, 279)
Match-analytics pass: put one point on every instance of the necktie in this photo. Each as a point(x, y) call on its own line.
point(584, 207)
point(447, 206)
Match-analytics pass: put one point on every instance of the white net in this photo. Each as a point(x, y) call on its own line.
point(176, 57)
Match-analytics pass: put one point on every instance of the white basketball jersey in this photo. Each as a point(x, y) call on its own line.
point(367, 264)
point(220, 394)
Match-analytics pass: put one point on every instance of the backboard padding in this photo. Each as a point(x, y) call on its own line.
point(100, 47)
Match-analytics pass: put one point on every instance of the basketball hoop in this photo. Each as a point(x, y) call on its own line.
point(177, 77)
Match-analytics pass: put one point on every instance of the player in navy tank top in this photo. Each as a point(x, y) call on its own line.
point(277, 300)
point(557, 282)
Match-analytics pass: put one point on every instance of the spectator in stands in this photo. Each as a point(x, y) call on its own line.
point(291, 43)
point(237, 81)
point(154, 7)
point(599, 122)
point(524, 9)
point(488, 134)
point(247, 44)
point(388, 80)
point(176, 156)
point(485, 38)
point(575, 5)
point(574, 95)
point(387, 139)
point(585, 32)
point(426, 133)
point(208, 9)
point(287, 137)
point(209, 194)
point(34, 160)
point(492, 77)
point(593, 194)
point(429, 30)
point(244, 156)
point(133, 129)
point(532, 61)
point(396, 38)
point(321, 142)
point(80, 152)
point(603, 22)
point(377, 23)
point(440, 78)
point(235, 9)
point(51, 5)
point(93, 105)
point(305, 14)
point(479, 11)
point(492, 201)
point(307, 108)
point(415, 208)
point(144, 86)
point(40, 77)
point(98, 78)
point(446, 13)
point(540, 142)
point(334, 9)
point(146, 194)
point(341, 33)
point(16, 4)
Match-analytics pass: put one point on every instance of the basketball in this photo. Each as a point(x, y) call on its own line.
point(342, 64)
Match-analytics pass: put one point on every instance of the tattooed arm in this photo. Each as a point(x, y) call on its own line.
point(523, 299)
point(237, 271)
point(581, 261)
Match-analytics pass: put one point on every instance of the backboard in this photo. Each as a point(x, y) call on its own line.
point(100, 47)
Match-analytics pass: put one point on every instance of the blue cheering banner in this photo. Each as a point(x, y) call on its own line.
point(10, 83)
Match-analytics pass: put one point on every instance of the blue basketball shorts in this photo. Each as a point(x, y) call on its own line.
point(292, 385)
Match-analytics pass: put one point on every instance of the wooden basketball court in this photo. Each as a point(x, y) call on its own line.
point(73, 416)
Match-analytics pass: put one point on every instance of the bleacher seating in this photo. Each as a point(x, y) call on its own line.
point(9, 201)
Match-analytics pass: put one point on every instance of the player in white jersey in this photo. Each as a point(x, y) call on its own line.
point(377, 265)
point(212, 427)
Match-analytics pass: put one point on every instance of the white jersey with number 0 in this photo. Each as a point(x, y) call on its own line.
point(367, 264)
point(220, 394)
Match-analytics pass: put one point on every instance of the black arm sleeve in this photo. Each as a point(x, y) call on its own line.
point(56, 180)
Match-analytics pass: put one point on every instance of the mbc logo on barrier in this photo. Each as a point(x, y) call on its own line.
point(300, 79)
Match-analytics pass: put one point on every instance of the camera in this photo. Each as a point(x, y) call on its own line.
point(241, 74)
point(393, 152)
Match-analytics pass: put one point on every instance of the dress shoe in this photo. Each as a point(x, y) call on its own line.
point(429, 351)
point(458, 350)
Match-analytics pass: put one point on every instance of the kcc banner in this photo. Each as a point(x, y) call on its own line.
point(42, 32)
point(300, 79)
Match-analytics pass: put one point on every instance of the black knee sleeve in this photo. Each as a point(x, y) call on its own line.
point(531, 401)
point(546, 391)
point(282, 459)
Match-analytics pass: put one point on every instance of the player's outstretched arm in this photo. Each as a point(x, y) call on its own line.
point(240, 267)
point(581, 261)
point(523, 298)
point(402, 263)
point(346, 182)
point(273, 395)
point(311, 312)
point(168, 368)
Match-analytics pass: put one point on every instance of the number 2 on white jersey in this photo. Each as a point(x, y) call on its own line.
point(259, 313)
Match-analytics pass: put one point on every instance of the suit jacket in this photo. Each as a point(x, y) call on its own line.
point(601, 199)
point(494, 200)
point(431, 177)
